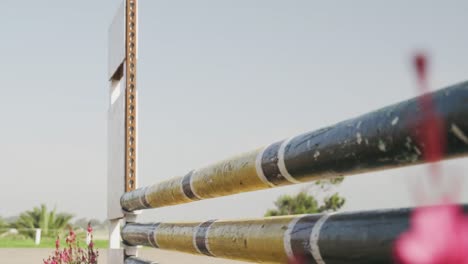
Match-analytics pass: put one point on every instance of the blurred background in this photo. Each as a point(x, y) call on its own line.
point(216, 78)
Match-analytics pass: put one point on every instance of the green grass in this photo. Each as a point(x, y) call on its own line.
point(46, 242)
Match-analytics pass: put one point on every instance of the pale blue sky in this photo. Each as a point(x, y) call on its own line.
point(216, 78)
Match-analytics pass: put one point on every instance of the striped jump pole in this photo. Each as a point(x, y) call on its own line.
point(135, 260)
point(359, 237)
point(383, 139)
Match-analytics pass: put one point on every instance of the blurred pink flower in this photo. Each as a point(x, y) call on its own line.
point(296, 261)
point(73, 254)
point(64, 256)
point(438, 235)
point(89, 234)
point(57, 243)
point(431, 134)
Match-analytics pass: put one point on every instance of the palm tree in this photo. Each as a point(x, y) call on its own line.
point(39, 217)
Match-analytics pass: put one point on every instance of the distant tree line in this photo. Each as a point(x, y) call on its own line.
point(306, 203)
point(50, 222)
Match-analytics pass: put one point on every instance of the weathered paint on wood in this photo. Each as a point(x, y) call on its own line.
point(356, 237)
point(135, 260)
point(383, 139)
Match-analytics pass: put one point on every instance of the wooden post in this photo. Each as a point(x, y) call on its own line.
point(121, 124)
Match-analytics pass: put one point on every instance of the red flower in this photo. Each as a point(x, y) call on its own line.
point(438, 235)
point(431, 133)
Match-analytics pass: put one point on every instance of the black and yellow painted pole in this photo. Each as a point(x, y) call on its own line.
point(359, 237)
point(383, 139)
point(135, 260)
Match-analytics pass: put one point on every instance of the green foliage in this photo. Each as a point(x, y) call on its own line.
point(3, 223)
point(304, 203)
point(50, 222)
point(329, 182)
point(82, 223)
point(3, 226)
point(46, 242)
point(332, 203)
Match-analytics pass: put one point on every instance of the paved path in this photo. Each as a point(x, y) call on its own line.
point(32, 256)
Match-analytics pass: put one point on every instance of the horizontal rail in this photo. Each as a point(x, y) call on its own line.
point(386, 138)
point(135, 260)
point(359, 237)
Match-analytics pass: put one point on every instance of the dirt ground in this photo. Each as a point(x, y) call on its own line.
point(31, 256)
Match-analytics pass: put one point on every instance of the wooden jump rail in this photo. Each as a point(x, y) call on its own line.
point(358, 237)
point(383, 139)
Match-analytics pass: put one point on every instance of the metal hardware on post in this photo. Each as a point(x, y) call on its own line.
point(131, 94)
point(131, 251)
